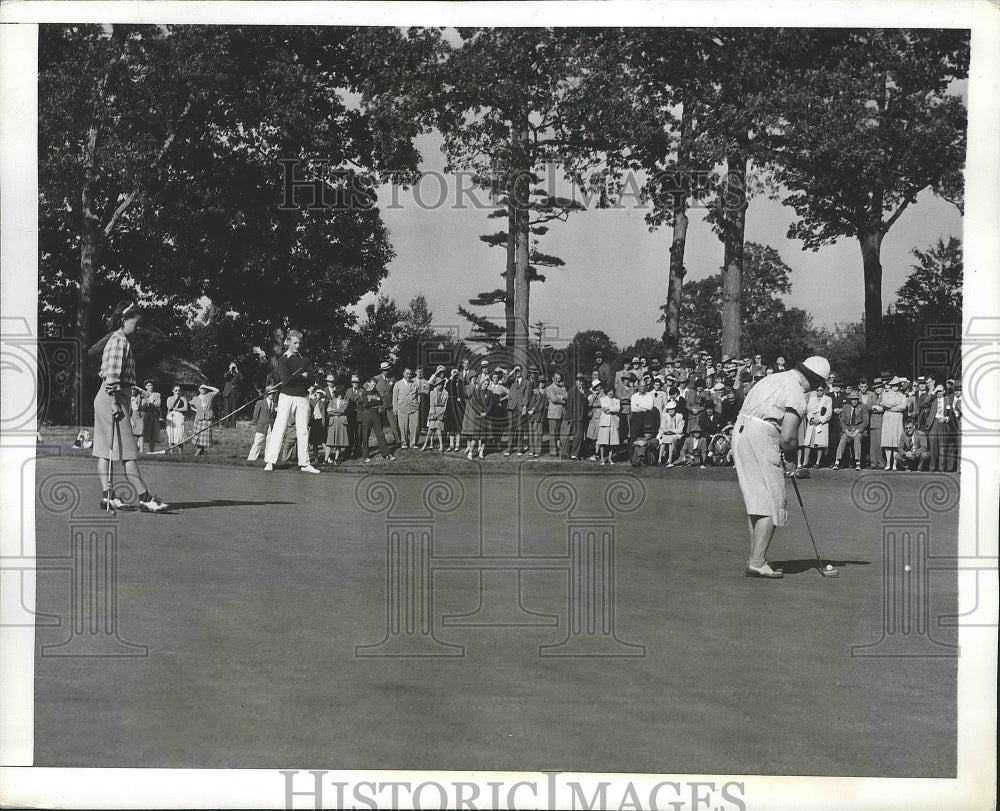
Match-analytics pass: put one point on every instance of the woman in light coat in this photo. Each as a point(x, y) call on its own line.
point(607, 430)
point(819, 411)
point(894, 406)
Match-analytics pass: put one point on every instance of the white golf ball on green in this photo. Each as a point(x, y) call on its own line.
point(906, 568)
point(829, 568)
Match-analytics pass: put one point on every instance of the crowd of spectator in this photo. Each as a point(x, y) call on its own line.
point(674, 413)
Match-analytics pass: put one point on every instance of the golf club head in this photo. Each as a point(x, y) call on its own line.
point(802, 473)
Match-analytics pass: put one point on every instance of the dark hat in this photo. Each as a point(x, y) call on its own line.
point(922, 379)
point(853, 395)
point(877, 381)
point(696, 429)
point(958, 384)
point(581, 376)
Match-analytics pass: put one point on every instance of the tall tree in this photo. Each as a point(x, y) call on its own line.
point(377, 337)
point(869, 120)
point(498, 110)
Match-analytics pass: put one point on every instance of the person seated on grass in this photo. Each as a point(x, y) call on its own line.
point(645, 448)
point(912, 453)
point(695, 448)
point(83, 440)
point(671, 434)
point(720, 447)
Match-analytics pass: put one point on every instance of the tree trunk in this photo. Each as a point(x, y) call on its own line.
point(678, 240)
point(871, 247)
point(672, 330)
point(733, 219)
point(509, 274)
point(519, 197)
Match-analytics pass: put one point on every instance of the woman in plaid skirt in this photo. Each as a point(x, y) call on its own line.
point(113, 408)
point(203, 417)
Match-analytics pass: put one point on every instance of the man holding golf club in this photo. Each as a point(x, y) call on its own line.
point(112, 407)
point(294, 372)
point(765, 448)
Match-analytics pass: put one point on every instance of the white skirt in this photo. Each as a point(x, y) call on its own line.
point(757, 458)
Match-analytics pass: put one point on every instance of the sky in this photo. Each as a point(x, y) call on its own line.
point(615, 277)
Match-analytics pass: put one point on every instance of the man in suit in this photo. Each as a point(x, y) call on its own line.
point(355, 395)
point(854, 420)
point(836, 394)
point(383, 387)
point(875, 425)
point(941, 428)
point(577, 416)
point(519, 393)
point(922, 416)
point(406, 404)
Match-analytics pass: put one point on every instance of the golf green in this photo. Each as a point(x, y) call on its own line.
point(264, 624)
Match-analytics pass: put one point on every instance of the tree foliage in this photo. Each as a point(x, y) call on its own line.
point(172, 137)
point(770, 328)
point(869, 119)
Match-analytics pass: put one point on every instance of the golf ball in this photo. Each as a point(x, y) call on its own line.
point(906, 568)
point(829, 568)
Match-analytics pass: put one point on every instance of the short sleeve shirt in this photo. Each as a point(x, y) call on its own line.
point(771, 397)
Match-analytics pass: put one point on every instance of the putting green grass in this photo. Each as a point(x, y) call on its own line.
point(252, 599)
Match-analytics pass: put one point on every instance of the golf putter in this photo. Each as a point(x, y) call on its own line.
point(825, 572)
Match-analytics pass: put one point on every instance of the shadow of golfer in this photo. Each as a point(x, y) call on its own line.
point(194, 505)
point(804, 565)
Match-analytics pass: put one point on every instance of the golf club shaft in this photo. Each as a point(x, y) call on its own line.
point(798, 495)
point(221, 419)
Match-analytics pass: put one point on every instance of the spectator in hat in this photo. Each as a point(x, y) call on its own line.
point(853, 420)
point(263, 419)
point(338, 408)
point(607, 426)
point(354, 396)
point(406, 404)
point(924, 399)
point(437, 405)
point(957, 410)
point(203, 409)
point(623, 392)
point(136, 417)
point(556, 395)
point(518, 395)
point(481, 403)
point(893, 411)
point(232, 393)
point(370, 420)
point(819, 412)
point(836, 394)
point(875, 410)
point(150, 409)
point(453, 415)
point(912, 452)
point(670, 436)
point(604, 372)
point(766, 430)
point(535, 415)
point(942, 428)
point(177, 409)
point(577, 415)
point(594, 395)
point(695, 447)
point(384, 384)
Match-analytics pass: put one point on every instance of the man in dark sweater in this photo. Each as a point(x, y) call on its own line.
point(295, 372)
